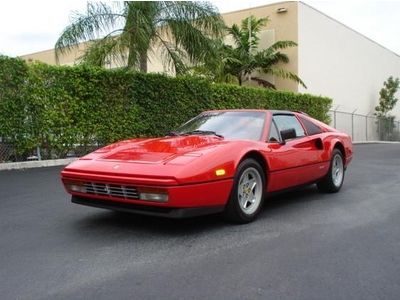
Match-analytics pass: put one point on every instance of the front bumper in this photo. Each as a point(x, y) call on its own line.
point(167, 212)
point(206, 194)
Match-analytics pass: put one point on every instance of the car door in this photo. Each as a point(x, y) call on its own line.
point(295, 161)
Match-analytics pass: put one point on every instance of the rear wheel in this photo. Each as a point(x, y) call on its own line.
point(247, 194)
point(333, 181)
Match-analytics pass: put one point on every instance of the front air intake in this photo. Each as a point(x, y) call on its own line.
point(114, 190)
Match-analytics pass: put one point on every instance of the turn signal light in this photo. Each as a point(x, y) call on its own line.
point(220, 172)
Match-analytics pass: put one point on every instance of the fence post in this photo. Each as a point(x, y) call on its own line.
point(366, 127)
point(352, 124)
point(334, 116)
point(334, 119)
point(39, 156)
point(398, 130)
point(379, 129)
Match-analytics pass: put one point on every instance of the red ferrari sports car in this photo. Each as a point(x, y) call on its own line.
point(220, 161)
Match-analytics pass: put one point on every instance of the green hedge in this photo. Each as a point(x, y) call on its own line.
point(14, 103)
point(58, 108)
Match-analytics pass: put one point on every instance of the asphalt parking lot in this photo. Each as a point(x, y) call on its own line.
point(305, 245)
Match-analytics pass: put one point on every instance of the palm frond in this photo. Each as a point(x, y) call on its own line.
point(202, 15)
point(106, 50)
point(282, 45)
point(99, 18)
point(285, 74)
point(249, 31)
point(190, 26)
point(173, 56)
point(235, 33)
point(268, 58)
point(191, 39)
point(255, 24)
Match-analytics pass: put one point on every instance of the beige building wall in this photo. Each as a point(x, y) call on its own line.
point(282, 26)
point(48, 56)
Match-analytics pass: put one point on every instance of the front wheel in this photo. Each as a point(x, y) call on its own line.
point(247, 194)
point(333, 181)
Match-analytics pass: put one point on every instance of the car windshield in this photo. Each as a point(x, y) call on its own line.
point(230, 124)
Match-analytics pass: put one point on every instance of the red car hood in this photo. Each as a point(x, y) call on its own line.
point(158, 151)
point(170, 159)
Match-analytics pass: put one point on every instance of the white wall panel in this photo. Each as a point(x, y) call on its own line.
point(340, 63)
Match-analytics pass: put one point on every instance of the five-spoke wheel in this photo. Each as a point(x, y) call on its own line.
point(250, 190)
point(333, 181)
point(247, 193)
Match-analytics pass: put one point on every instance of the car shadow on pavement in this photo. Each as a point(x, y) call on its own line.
point(106, 222)
point(299, 195)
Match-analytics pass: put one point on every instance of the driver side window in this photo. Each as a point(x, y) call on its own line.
point(274, 135)
point(284, 122)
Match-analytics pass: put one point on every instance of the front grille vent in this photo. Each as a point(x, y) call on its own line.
point(114, 190)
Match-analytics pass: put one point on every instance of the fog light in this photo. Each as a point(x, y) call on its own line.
point(153, 194)
point(154, 197)
point(77, 187)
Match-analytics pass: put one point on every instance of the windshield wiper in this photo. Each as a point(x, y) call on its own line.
point(203, 132)
point(173, 133)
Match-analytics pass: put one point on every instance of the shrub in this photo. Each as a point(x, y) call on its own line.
point(59, 108)
point(15, 117)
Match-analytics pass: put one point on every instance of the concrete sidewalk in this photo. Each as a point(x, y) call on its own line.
point(36, 164)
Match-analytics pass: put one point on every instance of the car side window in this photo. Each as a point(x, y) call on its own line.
point(284, 122)
point(310, 126)
point(273, 134)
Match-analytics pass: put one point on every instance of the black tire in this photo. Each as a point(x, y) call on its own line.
point(234, 211)
point(329, 184)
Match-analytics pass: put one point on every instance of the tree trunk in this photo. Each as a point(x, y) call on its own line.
point(143, 62)
point(239, 77)
point(131, 59)
point(130, 28)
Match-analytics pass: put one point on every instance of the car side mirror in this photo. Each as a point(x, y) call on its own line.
point(288, 134)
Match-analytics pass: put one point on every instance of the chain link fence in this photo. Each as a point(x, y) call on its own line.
point(365, 127)
point(9, 154)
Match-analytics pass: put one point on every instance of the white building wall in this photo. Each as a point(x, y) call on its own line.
point(340, 63)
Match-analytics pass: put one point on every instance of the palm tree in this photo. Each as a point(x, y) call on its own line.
point(243, 58)
point(216, 67)
point(129, 32)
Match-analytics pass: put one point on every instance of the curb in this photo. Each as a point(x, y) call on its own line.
point(36, 164)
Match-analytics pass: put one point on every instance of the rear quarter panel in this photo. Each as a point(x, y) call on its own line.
point(332, 139)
